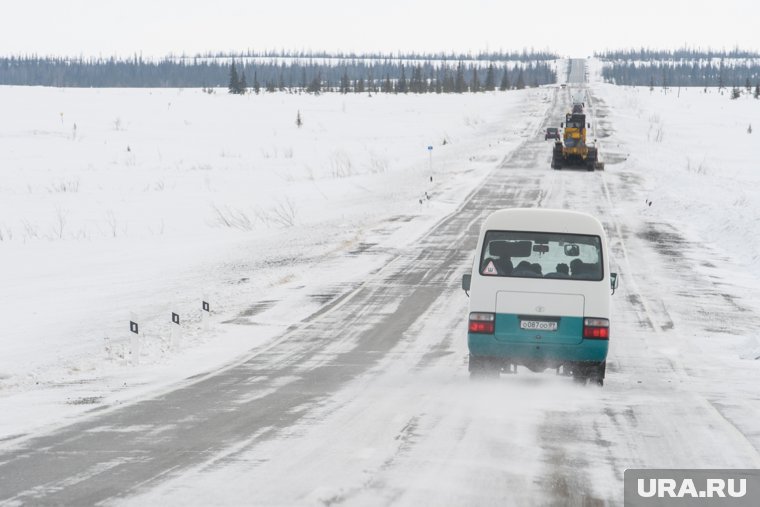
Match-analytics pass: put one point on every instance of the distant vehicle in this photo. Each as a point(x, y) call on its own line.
point(563, 85)
point(578, 107)
point(552, 133)
point(575, 150)
point(540, 295)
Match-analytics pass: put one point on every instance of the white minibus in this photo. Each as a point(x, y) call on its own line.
point(539, 292)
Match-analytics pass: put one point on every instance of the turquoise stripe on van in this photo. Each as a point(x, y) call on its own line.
point(508, 330)
point(522, 353)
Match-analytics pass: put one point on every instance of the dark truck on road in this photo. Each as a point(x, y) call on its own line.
point(551, 133)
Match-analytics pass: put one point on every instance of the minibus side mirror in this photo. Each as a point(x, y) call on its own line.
point(466, 280)
point(613, 281)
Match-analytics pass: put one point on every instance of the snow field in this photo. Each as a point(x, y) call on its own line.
point(159, 199)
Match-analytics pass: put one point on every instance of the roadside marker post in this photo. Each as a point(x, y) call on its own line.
point(205, 311)
point(176, 336)
point(430, 153)
point(134, 341)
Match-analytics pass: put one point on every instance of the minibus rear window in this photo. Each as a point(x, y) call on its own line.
point(560, 256)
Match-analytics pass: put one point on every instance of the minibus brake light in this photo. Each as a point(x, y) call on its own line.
point(597, 329)
point(482, 323)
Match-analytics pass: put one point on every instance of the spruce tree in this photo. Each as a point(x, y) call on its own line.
point(370, 82)
point(344, 82)
point(417, 83)
point(757, 91)
point(520, 85)
point(504, 85)
point(234, 85)
point(256, 84)
point(449, 82)
point(431, 81)
point(242, 84)
point(475, 82)
point(402, 86)
point(316, 85)
point(490, 79)
point(387, 86)
point(304, 83)
point(459, 84)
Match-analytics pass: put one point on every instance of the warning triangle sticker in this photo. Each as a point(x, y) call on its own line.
point(490, 269)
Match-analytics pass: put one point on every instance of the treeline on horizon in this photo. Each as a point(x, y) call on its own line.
point(648, 55)
point(526, 55)
point(682, 67)
point(274, 71)
point(405, 78)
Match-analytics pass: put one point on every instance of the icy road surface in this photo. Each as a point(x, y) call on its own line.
point(368, 401)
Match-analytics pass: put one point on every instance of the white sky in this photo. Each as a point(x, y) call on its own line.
point(158, 27)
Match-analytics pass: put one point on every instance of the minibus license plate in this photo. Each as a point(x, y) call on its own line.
point(538, 325)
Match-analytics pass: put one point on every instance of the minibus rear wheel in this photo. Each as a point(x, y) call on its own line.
point(596, 375)
point(482, 368)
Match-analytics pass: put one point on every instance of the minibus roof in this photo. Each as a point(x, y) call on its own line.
point(543, 220)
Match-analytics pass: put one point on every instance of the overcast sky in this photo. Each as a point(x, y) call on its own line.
point(158, 27)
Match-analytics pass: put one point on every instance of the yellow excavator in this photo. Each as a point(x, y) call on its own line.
point(572, 149)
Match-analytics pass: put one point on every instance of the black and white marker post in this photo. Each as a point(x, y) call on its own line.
point(205, 313)
point(430, 152)
point(134, 341)
point(176, 336)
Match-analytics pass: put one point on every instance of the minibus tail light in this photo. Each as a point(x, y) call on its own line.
point(596, 329)
point(482, 323)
